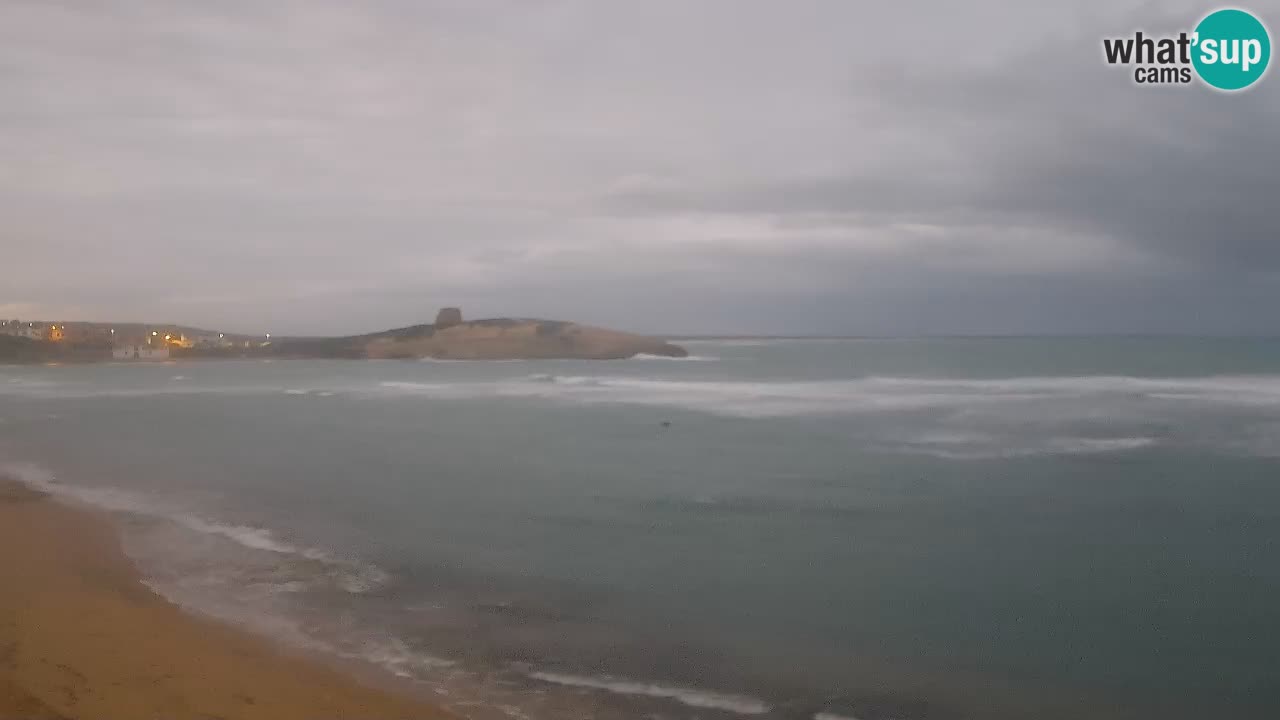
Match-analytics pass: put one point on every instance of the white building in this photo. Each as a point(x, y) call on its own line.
point(140, 351)
point(33, 331)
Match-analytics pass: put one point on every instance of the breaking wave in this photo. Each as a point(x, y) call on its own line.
point(351, 576)
point(740, 704)
point(993, 447)
point(792, 398)
point(686, 358)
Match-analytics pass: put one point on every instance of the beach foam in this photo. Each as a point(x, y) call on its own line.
point(352, 576)
point(740, 704)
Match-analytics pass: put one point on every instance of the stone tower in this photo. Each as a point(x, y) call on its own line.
point(448, 317)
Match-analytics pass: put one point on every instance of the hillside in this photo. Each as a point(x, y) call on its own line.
point(512, 338)
point(448, 338)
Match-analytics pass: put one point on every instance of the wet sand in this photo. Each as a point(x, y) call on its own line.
point(82, 637)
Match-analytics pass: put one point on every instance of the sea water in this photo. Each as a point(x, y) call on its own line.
point(870, 529)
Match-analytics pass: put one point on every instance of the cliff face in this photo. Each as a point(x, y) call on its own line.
point(506, 339)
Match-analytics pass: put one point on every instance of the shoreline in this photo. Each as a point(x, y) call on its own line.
point(81, 636)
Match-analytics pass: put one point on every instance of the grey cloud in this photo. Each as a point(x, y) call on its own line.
point(691, 167)
point(1047, 139)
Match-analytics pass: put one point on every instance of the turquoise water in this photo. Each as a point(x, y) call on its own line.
point(872, 529)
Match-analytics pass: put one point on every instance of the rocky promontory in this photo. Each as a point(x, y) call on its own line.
point(449, 337)
point(512, 338)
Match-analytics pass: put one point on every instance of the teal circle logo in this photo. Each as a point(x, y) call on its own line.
point(1232, 49)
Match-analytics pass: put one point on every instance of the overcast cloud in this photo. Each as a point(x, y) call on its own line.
point(304, 166)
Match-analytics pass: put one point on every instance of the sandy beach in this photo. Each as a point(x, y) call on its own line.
point(82, 637)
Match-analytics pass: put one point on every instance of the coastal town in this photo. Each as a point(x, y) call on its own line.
point(126, 341)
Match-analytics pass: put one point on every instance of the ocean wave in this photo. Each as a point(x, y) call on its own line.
point(468, 360)
point(767, 341)
point(1253, 389)
point(751, 398)
point(64, 391)
point(566, 379)
point(740, 704)
point(351, 576)
point(175, 388)
point(393, 655)
point(739, 398)
point(1097, 445)
point(729, 342)
point(976, 446)
point(1032, 447)
point(686, 358)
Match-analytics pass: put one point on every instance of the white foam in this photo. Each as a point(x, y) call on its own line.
point(740, 704)
point(355, 578)
point(729, 342)
point(1100, 445)
point(254, 538)
point(730, 398)
point(394, 655)
point(975, 446)
point(767, 341)
point(686, 358)
point(30, 474)
point(739, 398)
point(465, 360)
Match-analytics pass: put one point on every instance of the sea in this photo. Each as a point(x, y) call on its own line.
point(821, 529)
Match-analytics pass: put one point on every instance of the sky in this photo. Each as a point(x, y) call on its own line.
point(665, 166)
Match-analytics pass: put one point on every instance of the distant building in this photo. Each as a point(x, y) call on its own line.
point(448, 317)
point(140, 350)
point(33, 331)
